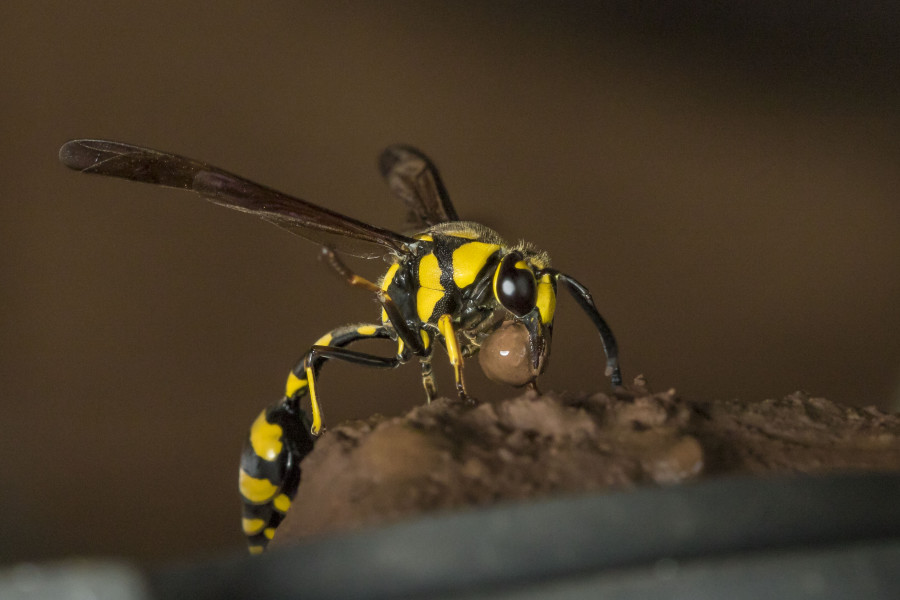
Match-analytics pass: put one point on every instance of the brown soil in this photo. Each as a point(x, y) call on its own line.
point(448, 455)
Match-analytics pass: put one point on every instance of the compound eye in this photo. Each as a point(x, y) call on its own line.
point(514, 285)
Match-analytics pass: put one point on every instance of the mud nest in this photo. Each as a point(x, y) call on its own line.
point(449, 455)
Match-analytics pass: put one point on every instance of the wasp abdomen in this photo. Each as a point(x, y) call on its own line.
point(279, 439)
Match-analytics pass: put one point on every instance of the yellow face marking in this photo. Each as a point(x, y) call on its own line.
point(430, 273)
point(546, 299)
point(314, 403)
point(426, 299)
point(252, 526)
point(325, 340)
point(281, 503)
point(389, 277)
point(468, 261)
point(265, 438)
point(269, 532)
point(256, 491)
point(366, 330)
point(294, 384)
point(256, 549)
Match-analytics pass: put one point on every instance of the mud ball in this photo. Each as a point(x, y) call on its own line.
point(505, 356)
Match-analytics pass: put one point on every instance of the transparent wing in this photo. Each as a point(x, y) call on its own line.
point(315, 223)
point(414, 179)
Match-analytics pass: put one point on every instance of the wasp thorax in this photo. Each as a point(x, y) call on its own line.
point(505, 356)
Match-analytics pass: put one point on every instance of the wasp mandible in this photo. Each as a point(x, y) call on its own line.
point(451, 282)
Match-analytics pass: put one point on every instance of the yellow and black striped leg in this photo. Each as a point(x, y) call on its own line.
point(302, 378)
point(445, 325)
point(279, 439)
point(318, 354)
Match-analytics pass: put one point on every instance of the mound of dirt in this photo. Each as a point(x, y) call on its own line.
point(449, 454)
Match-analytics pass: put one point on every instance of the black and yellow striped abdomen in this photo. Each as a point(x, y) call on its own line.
point(278, 441)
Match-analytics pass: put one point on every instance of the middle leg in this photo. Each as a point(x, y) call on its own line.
point(445, 326)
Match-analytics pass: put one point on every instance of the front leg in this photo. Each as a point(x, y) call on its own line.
point(584, 299)
point(445, 325)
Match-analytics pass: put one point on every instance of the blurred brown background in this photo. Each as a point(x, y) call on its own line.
point(724, 180)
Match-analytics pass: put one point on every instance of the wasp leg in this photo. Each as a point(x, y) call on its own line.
point(416, 344)
point(584, 299)
point(302, 377)
point(428, 380)
point(318, 354)
point(279, 439)
point(445, 325)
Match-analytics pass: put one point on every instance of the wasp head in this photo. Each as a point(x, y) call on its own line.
point(516, 352)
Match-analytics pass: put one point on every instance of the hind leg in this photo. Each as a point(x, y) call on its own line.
point(283, 434)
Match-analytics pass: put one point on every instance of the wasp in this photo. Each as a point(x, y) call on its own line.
point(451, 283)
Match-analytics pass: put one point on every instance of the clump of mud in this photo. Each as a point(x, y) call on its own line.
point(449, 455)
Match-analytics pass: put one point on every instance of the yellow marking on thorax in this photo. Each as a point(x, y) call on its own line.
point(469, 259)
point(265, 438)
point(256, 549)
point(426, 300)
point(425, 237)
point(281, 503)
point(294, 384)
point(252, 526)
point(269, 532)
point(256, 490)
point(389, 276)
point(463, 232)
point(426, 339)
point(366, 330)
point(430, 289)
point(430, 273)
point(546, 299)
